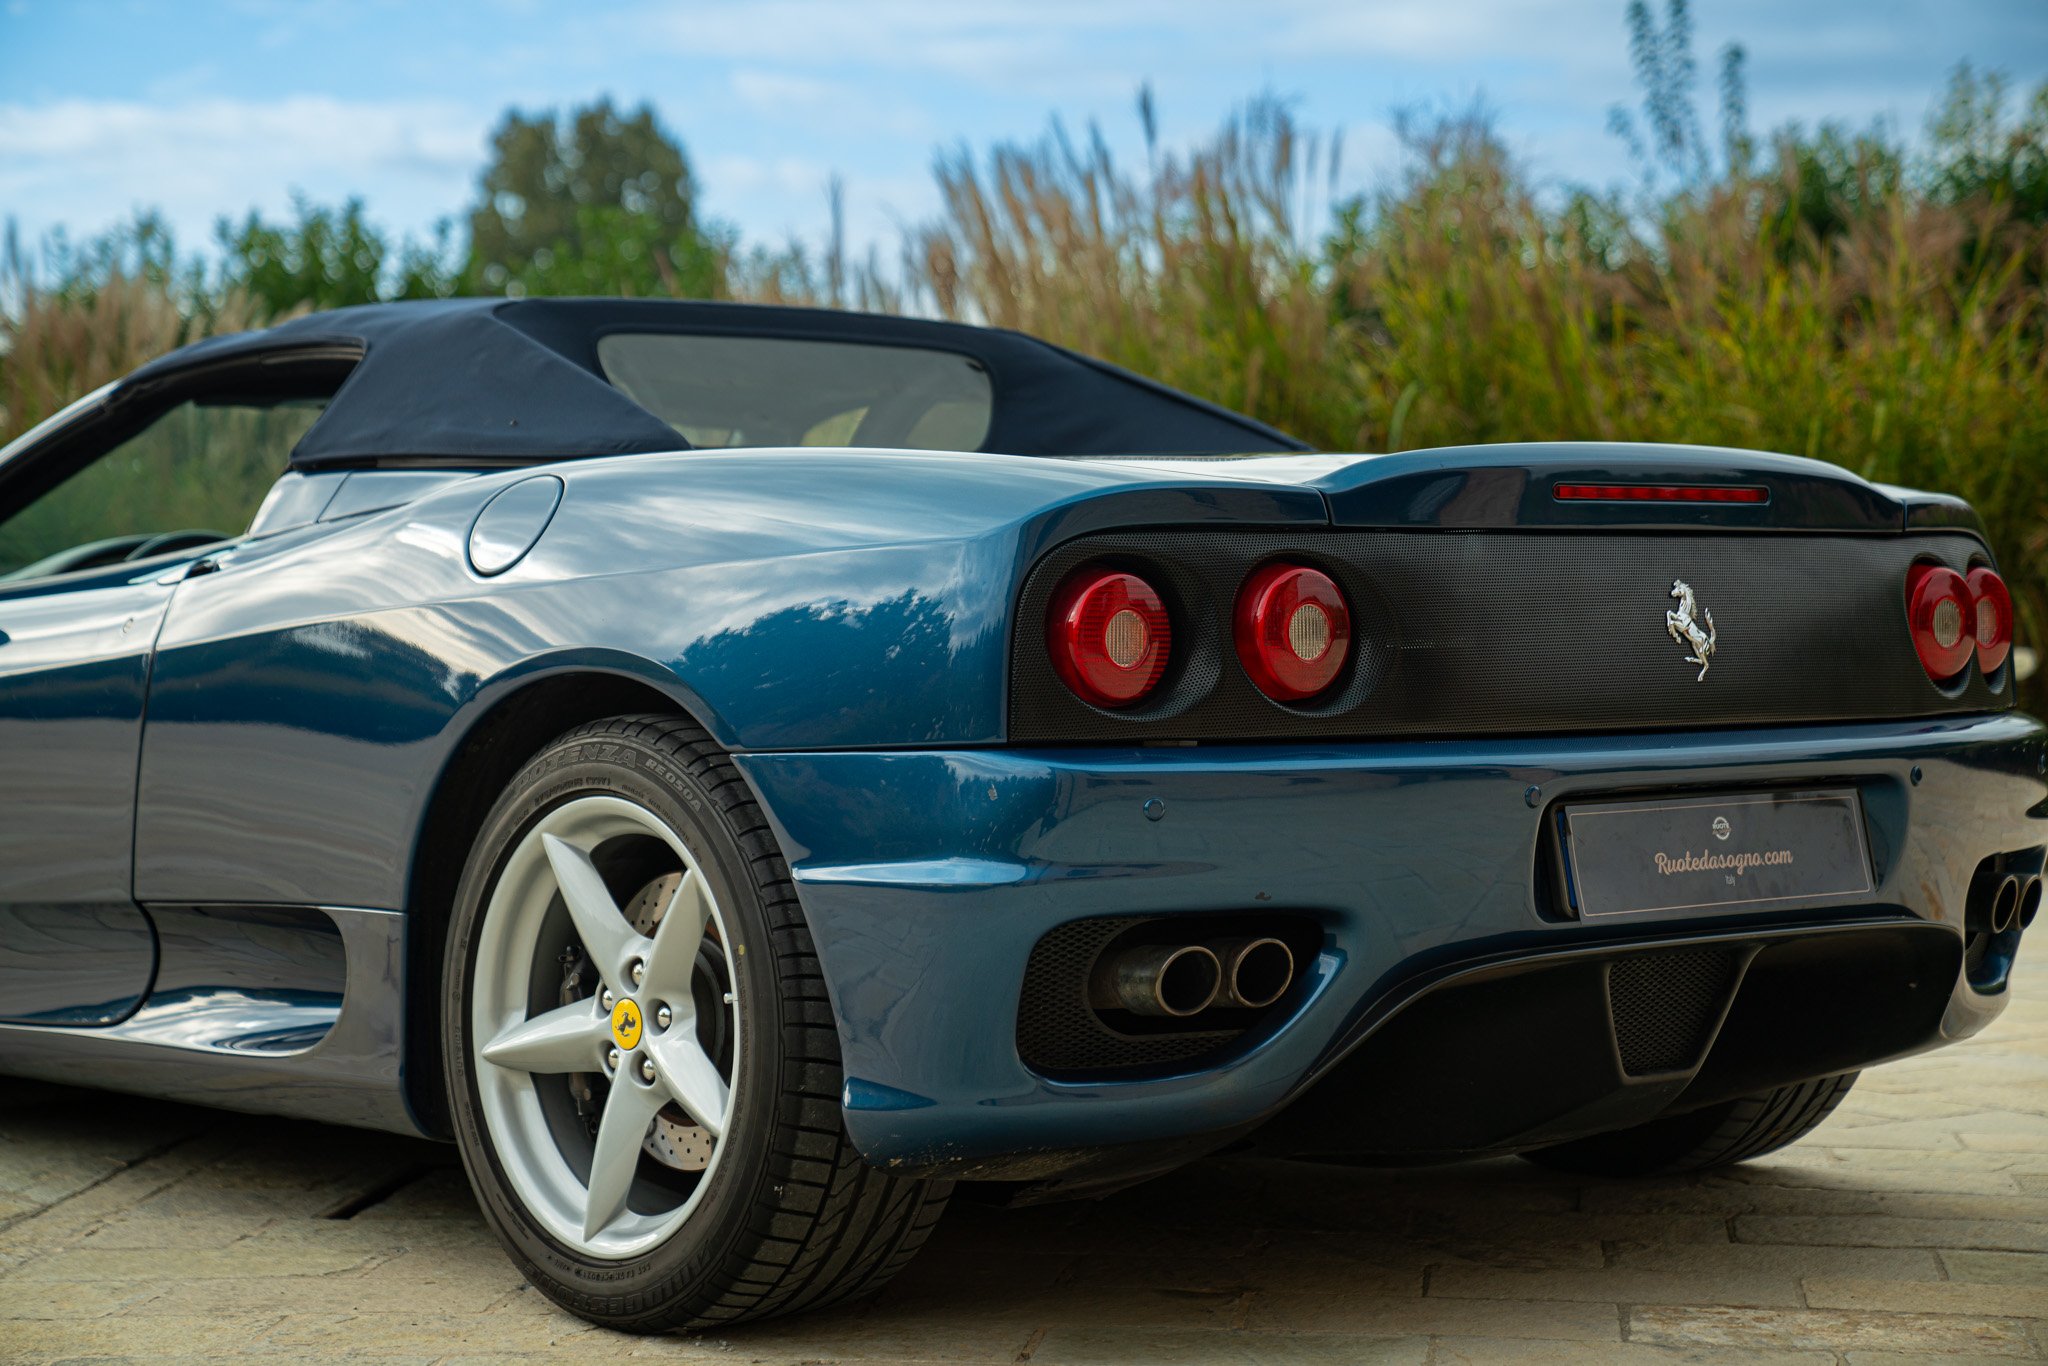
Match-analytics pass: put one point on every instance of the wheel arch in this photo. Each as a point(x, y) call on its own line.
point(506, 726)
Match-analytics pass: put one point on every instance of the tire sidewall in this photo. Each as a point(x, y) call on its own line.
point(609, 764)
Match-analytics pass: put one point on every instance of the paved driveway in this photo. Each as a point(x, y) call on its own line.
point(1914, 1225)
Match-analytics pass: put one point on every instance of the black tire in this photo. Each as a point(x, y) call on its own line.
point(792, 1218)
point(1701, 1140)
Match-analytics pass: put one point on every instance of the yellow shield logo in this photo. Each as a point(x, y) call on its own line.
point(626, 1025)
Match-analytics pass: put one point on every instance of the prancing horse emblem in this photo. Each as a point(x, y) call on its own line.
point(1684, 627)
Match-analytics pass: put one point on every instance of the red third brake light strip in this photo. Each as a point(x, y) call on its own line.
point(1661, 493)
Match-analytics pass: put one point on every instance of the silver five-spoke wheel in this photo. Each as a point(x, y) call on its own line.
point(606, 1026)
point(642, 1062)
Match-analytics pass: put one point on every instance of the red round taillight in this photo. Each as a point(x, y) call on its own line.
point(1293, 631)
point(1990, 617)
point(1108, 636)
point(1939, 612)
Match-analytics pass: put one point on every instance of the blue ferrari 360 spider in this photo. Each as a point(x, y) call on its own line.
point(739, 771)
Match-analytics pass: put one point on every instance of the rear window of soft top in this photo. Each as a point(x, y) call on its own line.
point(771, 391)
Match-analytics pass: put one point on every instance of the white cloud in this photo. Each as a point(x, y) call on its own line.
point(1005, 38)
point(319, 128)
point(771, 97)
point(804, 101)
point(892, 33)
point(744, 175)
point(1049, 48)
point(85, 163)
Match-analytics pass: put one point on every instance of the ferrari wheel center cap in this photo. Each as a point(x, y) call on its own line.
point(626, 1023)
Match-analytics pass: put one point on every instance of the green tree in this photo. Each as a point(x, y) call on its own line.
point(324, 258)
point(595, 202)
point(141, 248)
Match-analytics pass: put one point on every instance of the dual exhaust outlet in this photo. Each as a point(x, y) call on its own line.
point(2014, 904)
point(1179, 980)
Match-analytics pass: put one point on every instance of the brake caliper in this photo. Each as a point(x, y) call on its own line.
point(579, 983)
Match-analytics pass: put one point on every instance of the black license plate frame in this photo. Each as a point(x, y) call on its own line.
point(1707, 854)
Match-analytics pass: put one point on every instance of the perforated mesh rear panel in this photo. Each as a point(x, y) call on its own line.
point(1665, 1003)
point(1520, 632)
point(1056, 1030)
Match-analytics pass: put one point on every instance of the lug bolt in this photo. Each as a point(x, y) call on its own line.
point(611, 1059)
point(663, 1018)
point(604, 998)
point(635, 970)
point(647, 1069)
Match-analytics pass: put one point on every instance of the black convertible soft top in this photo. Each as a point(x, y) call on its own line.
point(502, 380)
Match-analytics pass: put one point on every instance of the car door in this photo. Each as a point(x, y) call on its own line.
point(99, 523)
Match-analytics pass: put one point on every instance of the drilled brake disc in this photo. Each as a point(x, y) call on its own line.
point(671, 1140)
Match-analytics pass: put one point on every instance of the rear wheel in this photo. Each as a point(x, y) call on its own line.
point(643, 1072)
point(1701, 1140)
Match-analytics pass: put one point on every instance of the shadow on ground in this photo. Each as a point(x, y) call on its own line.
point(1913, 1224)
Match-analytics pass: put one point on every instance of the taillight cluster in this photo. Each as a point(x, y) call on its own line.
point(1111, 639)
point(1952, 617)
point(1293, 631)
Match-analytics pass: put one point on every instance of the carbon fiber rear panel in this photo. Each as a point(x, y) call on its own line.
point(1503, 633)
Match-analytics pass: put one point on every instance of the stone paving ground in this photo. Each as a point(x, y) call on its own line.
point(1912, 1227)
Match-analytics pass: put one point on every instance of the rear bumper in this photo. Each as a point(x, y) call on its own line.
point(929, 876)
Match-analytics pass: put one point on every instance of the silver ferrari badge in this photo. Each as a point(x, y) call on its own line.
point(1684, 627)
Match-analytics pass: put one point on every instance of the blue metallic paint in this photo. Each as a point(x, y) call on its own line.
point(307, 695)
point(361, 491)
point(195, 1048)
point(69, 964)
point(511, 522)
point(922, 872)
point(253, 979)
point(841, 621)
point(1465, 488)
point(74, 667)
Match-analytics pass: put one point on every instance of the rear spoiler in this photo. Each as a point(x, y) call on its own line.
point(1621, 486)
point(1589, 485)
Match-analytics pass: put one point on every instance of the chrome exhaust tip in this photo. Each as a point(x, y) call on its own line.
point(1256, 972)
point(2005, 906)
point(1173, 980)
point(2030, 902)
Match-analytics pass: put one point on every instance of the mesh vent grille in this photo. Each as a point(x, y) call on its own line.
point(1664, 1004)
point(1056, 1030)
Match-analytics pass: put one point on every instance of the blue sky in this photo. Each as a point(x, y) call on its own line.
point(204, 107)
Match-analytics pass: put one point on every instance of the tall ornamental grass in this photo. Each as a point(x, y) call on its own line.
point(122, 308)
point(1815, 299)
point(1854, 320)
